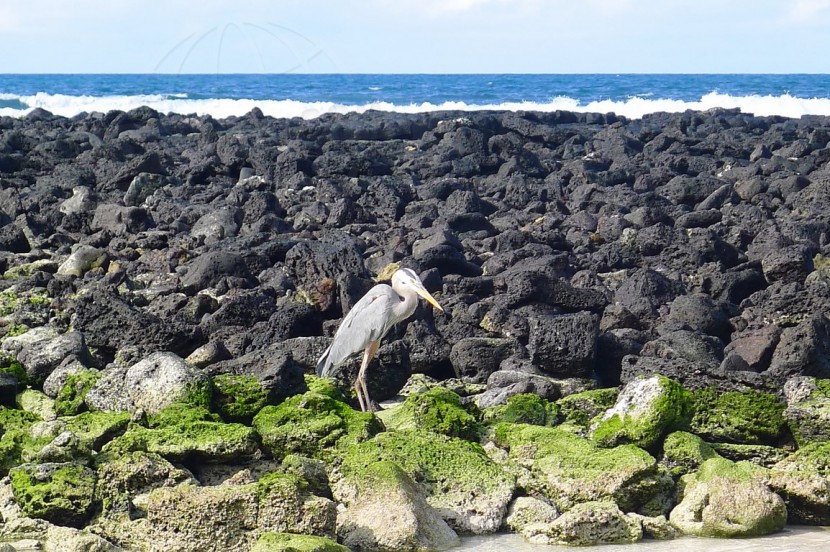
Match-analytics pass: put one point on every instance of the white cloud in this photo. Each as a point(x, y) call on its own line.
point(806, 11)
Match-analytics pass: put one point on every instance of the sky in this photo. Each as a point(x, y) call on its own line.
point(415, 36)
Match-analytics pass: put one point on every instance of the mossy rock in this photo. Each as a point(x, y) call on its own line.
point(95, 429)
point(684, 452)
point(525, 408)
point(59, 493)
point(181, 413)
point(801, 478)
point(27, 269)
point(196, 440)
point(70, 399)
point(312, 470)
point(437, 410)
point(569, 469)
point(191, 518)
point(37, 403)
point(324, 386)
point(809, 419)
point(470, 490)
point(726, 499)
point(760, 455)
point(123, 477)
point(10, 365)
point(14, 425)
point(815, 457)
point(384, 492)
point(745, 417)
point(580, 409)
point(313, 424)
point(238, 398)
point(290, 542)
point(589, 523)
point(646, 409)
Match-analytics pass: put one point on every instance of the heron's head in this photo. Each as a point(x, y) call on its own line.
point(406, 278)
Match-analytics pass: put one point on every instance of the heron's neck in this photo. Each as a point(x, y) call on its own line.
point(407, 306)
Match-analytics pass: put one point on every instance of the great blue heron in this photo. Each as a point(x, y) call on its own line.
point(368, 321)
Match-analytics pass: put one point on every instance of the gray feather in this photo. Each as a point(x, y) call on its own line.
point(369, 320)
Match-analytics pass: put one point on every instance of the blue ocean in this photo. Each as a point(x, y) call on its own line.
point(311, 95)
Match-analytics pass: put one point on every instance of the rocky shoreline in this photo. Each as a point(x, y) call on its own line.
point(635, 345)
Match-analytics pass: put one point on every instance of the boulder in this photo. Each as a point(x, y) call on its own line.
point(564, 345)
point(474, 359)
point(437, 410)
point(469, 491)
point(726, 499)
point(587, 524)
point(291, 542)
point(42, 357)
point(808, 409)
point(151, 385)
point(83, 259)
point(57, 492)
point(646, 410)
point(68, 539)
point(803, 350)
point(385, 492)
point(230, 517)
point(744, 417)
point(209, 269)
point(803, 479)
point(570, 469)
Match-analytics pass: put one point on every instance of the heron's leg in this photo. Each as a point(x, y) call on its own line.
point(358, 389)
point(368, 354)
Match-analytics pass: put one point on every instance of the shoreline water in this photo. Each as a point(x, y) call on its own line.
point(309, 96)
point(796, 538)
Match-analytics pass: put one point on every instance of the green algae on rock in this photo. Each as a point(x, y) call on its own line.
point(525, 408)
point(382, 492)
point(231, 517)
point(15, 425)
point(292, 542)
point(196, 440)
point(646, 409)
point(469, 490)
point(121, 478)
point(528, 515)
point(437, 410)
point(59, 493)
point(70, 399)
point(580, 409)
point(312, 424)
point(570, 469)
point(684, 452)
point(95, 429)
point(181, 413)
point(803, 479)
point(238, 398)
point(727, 499)
point(37, 403)
point(745, 417)
point(808, 409)
point(10, 365)
point(588, 523)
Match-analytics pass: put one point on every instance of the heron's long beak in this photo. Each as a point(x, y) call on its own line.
point(421, 290)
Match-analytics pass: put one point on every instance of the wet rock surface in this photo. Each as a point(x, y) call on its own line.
point(161, 260)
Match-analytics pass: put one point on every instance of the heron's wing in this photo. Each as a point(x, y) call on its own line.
point(367, 321)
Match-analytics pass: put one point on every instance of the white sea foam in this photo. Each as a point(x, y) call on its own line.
point(634, 107)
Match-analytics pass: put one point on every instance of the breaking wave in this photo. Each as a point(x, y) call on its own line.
point(633, 107)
